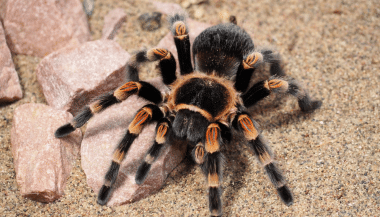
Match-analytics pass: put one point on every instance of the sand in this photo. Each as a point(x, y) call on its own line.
point(330, 157)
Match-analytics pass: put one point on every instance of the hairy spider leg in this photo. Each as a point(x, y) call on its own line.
point(167, 64)
point(244, 123)
point(251, 62)
point(182, 43)
point(162, 131)
point(143, 89)
point(216, 135)
point(263, 88)
point(140, 88)
point(145, 115)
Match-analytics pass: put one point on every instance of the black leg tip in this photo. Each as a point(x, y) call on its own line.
point(285, 195)
point(142, 173)
point(104, 194)
point(313, 106)
point(64, 130)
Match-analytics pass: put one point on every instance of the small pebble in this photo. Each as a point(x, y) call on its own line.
point(88, 6)
point(150, 21)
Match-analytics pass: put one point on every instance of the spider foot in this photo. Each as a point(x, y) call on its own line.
point(64, 130)
point(310, 106)
point(285, 195)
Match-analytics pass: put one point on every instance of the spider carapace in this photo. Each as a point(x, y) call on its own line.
point(202, 105)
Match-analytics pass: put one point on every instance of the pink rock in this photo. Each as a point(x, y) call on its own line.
point(3, 4)
point(168, 8)
point(42, 162)
point(102, 136)
point(112, 22)
point(72, 76)
point(195, 28)
point(10, 89)
point(39, 27)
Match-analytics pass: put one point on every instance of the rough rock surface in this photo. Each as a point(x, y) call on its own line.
point(150, 21)
point(72, 76)
point(104, 132)
point(10, 89)
point(112, 22)
point(168, 8)
point(42, 162)
point(39, 27)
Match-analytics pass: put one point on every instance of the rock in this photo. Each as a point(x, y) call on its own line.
point(10, 89)
point(195, 28)
point(102, 136)
point(39, 27)
point(42, 162)
point(150, 21)
point(169, 8)
point(112, 22)
point(72, 76)
point(3, 8)
point(88, 6)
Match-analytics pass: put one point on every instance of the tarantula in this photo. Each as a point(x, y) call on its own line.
point(202, 105)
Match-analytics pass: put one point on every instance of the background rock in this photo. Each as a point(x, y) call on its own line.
point(169, 8)
point(10, 89)
point(72, 76)
point(112, 22)
point(150, 21)
point(39, 27)
point(42, 162)
point(102, 136)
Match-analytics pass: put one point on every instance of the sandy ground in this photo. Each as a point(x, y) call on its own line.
point(330, 157)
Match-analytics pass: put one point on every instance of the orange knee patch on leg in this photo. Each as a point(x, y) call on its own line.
point(180, 29)
point(212, 138)
point(249, 129)
point(141, 118)
point(95, 107)
point(161, 133)
point(118, 156)
point(265, 158)
point(213, 180)
point(253, 58)
point(199, 154)
point(279, 85)
point(126, 90)
point(158, 53)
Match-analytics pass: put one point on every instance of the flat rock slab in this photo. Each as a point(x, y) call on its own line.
point(10, 88)
point(112, 22)
point(39, 27)
point(42, 162)
point(169, 8)
point(102, 136)
point(72, 76)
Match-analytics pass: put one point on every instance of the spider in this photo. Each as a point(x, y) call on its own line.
point(202, 106)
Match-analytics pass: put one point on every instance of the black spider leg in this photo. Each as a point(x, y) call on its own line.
point(263, 88)
point(251, 62)
point(207, 153)
point(167, 64)
point(182, 42)
point(99, 104)
point(143, 89)
point(244, 123)
point(163, 129)
point(145, 115)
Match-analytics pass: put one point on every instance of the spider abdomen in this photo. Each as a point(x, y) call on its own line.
point(220, 49)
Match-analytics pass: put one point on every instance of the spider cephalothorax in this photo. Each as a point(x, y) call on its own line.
point(202, 105)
